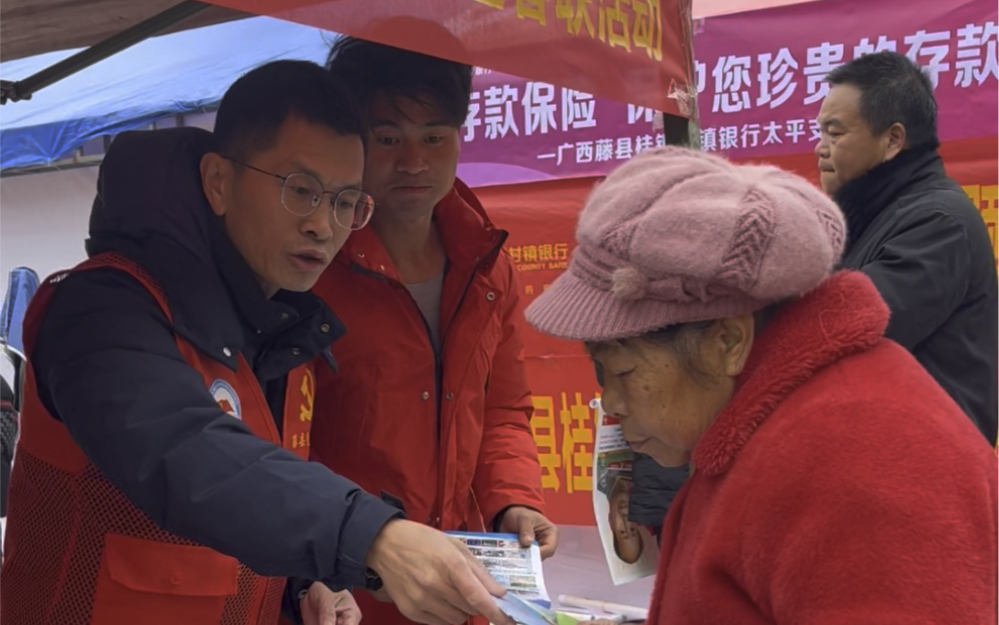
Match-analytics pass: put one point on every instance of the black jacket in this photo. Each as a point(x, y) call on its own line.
point(915, 233)
point(108, 367)
point(655, 488)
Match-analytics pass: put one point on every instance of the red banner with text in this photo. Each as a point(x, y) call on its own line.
point(632, 50)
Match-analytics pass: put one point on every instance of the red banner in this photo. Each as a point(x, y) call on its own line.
point(564, 427)
point(541, 218)
point(630, 50)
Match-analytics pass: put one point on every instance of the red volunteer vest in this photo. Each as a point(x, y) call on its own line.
point(77, 552)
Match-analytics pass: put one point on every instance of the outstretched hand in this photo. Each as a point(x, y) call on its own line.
point(433, 579)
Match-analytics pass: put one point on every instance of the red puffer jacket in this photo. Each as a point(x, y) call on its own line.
point(457, 452)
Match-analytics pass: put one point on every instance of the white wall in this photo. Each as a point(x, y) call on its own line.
point(43, 220)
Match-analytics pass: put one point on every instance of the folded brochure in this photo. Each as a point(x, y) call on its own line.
point(526, 612)
point(518, 570)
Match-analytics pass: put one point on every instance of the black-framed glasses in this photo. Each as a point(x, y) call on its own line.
point(302, 194)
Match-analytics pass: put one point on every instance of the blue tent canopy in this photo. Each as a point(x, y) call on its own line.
point(162, 76)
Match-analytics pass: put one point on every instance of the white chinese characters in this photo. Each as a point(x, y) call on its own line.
point(499, 117)
point(539, 108)
point(976, 54)
point(578, 110)
point(929, 50)
point(776, 78)
point(820, 61)
point(732, 82)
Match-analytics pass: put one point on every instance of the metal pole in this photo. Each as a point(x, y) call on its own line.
point(694, 130)
point(677, 129)
point(24, 89)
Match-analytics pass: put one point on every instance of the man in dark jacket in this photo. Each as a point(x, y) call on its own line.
point(160, 474)
point(912, 229)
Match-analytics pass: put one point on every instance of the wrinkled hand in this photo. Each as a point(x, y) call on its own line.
point(432, 579)
point(531, 525)
point(322, 606)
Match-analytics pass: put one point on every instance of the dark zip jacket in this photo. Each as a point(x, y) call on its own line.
point(105, 348)
point(922, 242)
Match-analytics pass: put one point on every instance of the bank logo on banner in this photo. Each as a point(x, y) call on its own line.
point(227, 399)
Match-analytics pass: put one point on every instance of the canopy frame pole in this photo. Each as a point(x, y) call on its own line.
point(676, 129)
point(24, 89)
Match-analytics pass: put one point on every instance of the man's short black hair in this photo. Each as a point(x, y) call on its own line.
point(369, 69)
point(893, 90)
point(255, 106)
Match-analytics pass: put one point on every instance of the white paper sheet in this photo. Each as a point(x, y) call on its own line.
point(630, 549)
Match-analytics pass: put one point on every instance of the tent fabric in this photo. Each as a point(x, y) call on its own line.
point(178, 73)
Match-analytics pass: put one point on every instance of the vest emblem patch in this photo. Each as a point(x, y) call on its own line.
point(225, 396)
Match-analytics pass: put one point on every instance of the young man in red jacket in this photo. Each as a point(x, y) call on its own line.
point(430, 405)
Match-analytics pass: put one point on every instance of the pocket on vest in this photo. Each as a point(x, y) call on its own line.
point(156, 583)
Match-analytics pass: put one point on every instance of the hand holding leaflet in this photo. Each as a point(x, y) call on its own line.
point(518, 570)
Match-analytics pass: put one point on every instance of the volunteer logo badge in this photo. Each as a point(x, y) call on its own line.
point(226, 398)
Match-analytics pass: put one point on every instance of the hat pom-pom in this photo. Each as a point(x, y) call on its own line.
point(628, 283)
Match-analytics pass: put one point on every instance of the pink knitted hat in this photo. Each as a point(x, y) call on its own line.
point(675, 236)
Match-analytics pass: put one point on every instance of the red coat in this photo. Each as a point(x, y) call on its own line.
point(456, 460)
point(840, 485)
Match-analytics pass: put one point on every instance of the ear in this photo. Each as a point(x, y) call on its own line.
point(896, 139)
point(735, 335)
point(216, 181)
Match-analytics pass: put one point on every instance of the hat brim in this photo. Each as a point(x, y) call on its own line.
point(574, 310)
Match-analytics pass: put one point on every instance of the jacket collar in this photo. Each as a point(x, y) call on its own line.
point(150, 208)
point(843, 316)
point(470, 238)
point(863, 199)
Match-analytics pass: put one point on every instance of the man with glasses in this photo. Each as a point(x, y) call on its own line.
point(160, 475)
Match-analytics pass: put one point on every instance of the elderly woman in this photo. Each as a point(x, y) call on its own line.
point(833, 481)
